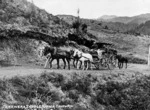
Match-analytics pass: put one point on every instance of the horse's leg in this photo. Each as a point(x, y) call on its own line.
point(50, 62)
point(68, 60)
point(83, 65)
point(78, 64)
point(90, 65)
point(58, 64)
point(74, 65)
point(64, 63)
point(87, 66)
point(126, 63)
point(47, 61)
point(122, 64)
point(119, 64)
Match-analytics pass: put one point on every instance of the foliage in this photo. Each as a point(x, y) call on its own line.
point(81, 28)
point(14, 49)
point(106, 27)
point(137, 60)
point(24, 14)
point(76, 25)
point(83, 91)
point(84, 28)
point(133, 95)
point(80, 83)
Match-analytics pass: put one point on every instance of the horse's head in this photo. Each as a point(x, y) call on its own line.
point(47, 50)
point(72, 52)
point(77, 53)
point(118, 56)
point(115, 52)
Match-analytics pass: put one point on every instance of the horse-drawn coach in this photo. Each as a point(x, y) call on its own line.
point(97, 58)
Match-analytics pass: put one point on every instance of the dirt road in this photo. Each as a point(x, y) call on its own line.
point(9, 72)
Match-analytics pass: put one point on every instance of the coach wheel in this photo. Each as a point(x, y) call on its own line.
point(104, 63)
point(111, 66)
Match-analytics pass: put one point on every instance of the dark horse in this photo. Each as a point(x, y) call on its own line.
point(75, 61)
point(121, 60)
point(57, 54)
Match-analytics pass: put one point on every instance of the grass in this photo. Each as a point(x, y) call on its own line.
point(125, 43)
point(83, 91)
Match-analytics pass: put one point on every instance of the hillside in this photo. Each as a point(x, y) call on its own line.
point(20, 20)
point(136, 25)
point(99, 25)
point(143, 28)
point(106, 17)
point(23, 15)
point(23, 25)
point(115, 33)
point(24, 20)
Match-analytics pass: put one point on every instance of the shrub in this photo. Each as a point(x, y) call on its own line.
point(55, 78)
point(125, 96)
point(137, 60)
point(80, 83)
point(83, 91)
point(76, 25)
point(110, 93)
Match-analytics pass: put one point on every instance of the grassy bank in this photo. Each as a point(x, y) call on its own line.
point(82, 91)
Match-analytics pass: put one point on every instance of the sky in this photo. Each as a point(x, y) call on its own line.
point(93, 9)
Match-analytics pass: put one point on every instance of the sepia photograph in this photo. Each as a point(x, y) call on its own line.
point(74, 54)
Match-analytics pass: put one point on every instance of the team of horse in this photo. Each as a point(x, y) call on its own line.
point(81, 60)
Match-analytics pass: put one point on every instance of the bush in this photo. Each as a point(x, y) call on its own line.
point(83, 91)
point(125, 96)
point(76, 25)
point(80, 83)
point(57, 79)
point(110, 93)
point(137, 60)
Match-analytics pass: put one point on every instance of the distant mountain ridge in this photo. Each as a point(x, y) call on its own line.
point(107, 17)
point(126, 20)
